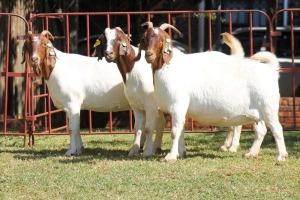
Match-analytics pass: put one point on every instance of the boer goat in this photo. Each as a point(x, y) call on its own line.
point(75, 82)
point(115, 46)
point(215, 89)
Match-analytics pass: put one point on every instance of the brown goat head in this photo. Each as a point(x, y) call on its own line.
point(157, 44)
point(112, 44)
point(39, 52)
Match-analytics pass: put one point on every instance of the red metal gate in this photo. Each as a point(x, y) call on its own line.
point(287, 48)
point(42, 116)
point(170, 17)
point(12, 74)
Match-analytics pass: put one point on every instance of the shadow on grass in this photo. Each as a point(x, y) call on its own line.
point(213, 142)
point(89, 155)
point(204, 146)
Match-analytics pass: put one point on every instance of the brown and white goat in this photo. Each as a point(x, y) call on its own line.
point(215, 89)
point(75, 82)
point(115, 46)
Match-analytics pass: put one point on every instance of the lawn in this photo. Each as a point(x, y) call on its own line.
point(105, 171)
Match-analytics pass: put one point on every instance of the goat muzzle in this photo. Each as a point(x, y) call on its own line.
point(110, 56)
point(34, 60)
point(150, 56)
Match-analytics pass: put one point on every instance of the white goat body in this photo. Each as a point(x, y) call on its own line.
point(220, 91)
point(208, 101)
point(89, 84)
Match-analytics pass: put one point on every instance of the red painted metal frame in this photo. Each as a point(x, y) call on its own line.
point(8, 74)
point(128, 15)
point(291, 70)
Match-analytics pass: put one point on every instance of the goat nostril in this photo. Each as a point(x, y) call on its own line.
point(149, 54)
point(108, 52)
point(34, 58)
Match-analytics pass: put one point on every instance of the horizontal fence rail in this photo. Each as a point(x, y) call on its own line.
point(200, 28)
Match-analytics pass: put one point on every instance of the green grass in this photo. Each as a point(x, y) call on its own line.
point(105, 171)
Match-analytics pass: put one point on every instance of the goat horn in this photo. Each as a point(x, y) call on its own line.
point(165, 25)
point(45, 32)
point(120, 30)
point(149, 24)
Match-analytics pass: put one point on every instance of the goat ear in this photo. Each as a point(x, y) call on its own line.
point(167, 50)
point(99, 47)
point(123, 49)
point(49, 62)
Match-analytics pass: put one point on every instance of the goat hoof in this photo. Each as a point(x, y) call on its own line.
point(170, 158)
point(282, 158)
point(233, 149)
point(158, 151)
point(134, 151)
point(223, 148)
point(72, 152)
point(251, 155)
point(145, 154)
point(182, 155)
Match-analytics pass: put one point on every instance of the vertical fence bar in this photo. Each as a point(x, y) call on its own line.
point(230, 26)
point(293, 66)
point(189, 33)
point(169, 22)
point(48, 97)
point(190, 51)
point(6, 72)
point(130, 111)
point(88, 35)
point(251, 33)
point(108, 20)
point(88, 54)
point(210, 31)
point(31, 136)
point(110, 112)
point(67, 34)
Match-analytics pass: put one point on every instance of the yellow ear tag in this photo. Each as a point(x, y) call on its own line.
point(97, 43)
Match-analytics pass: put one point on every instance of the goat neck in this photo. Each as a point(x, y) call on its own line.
point(39, 52)
point(126, 62)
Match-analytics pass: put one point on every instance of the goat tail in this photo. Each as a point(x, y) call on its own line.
point(234, 44)
point(268, 58)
